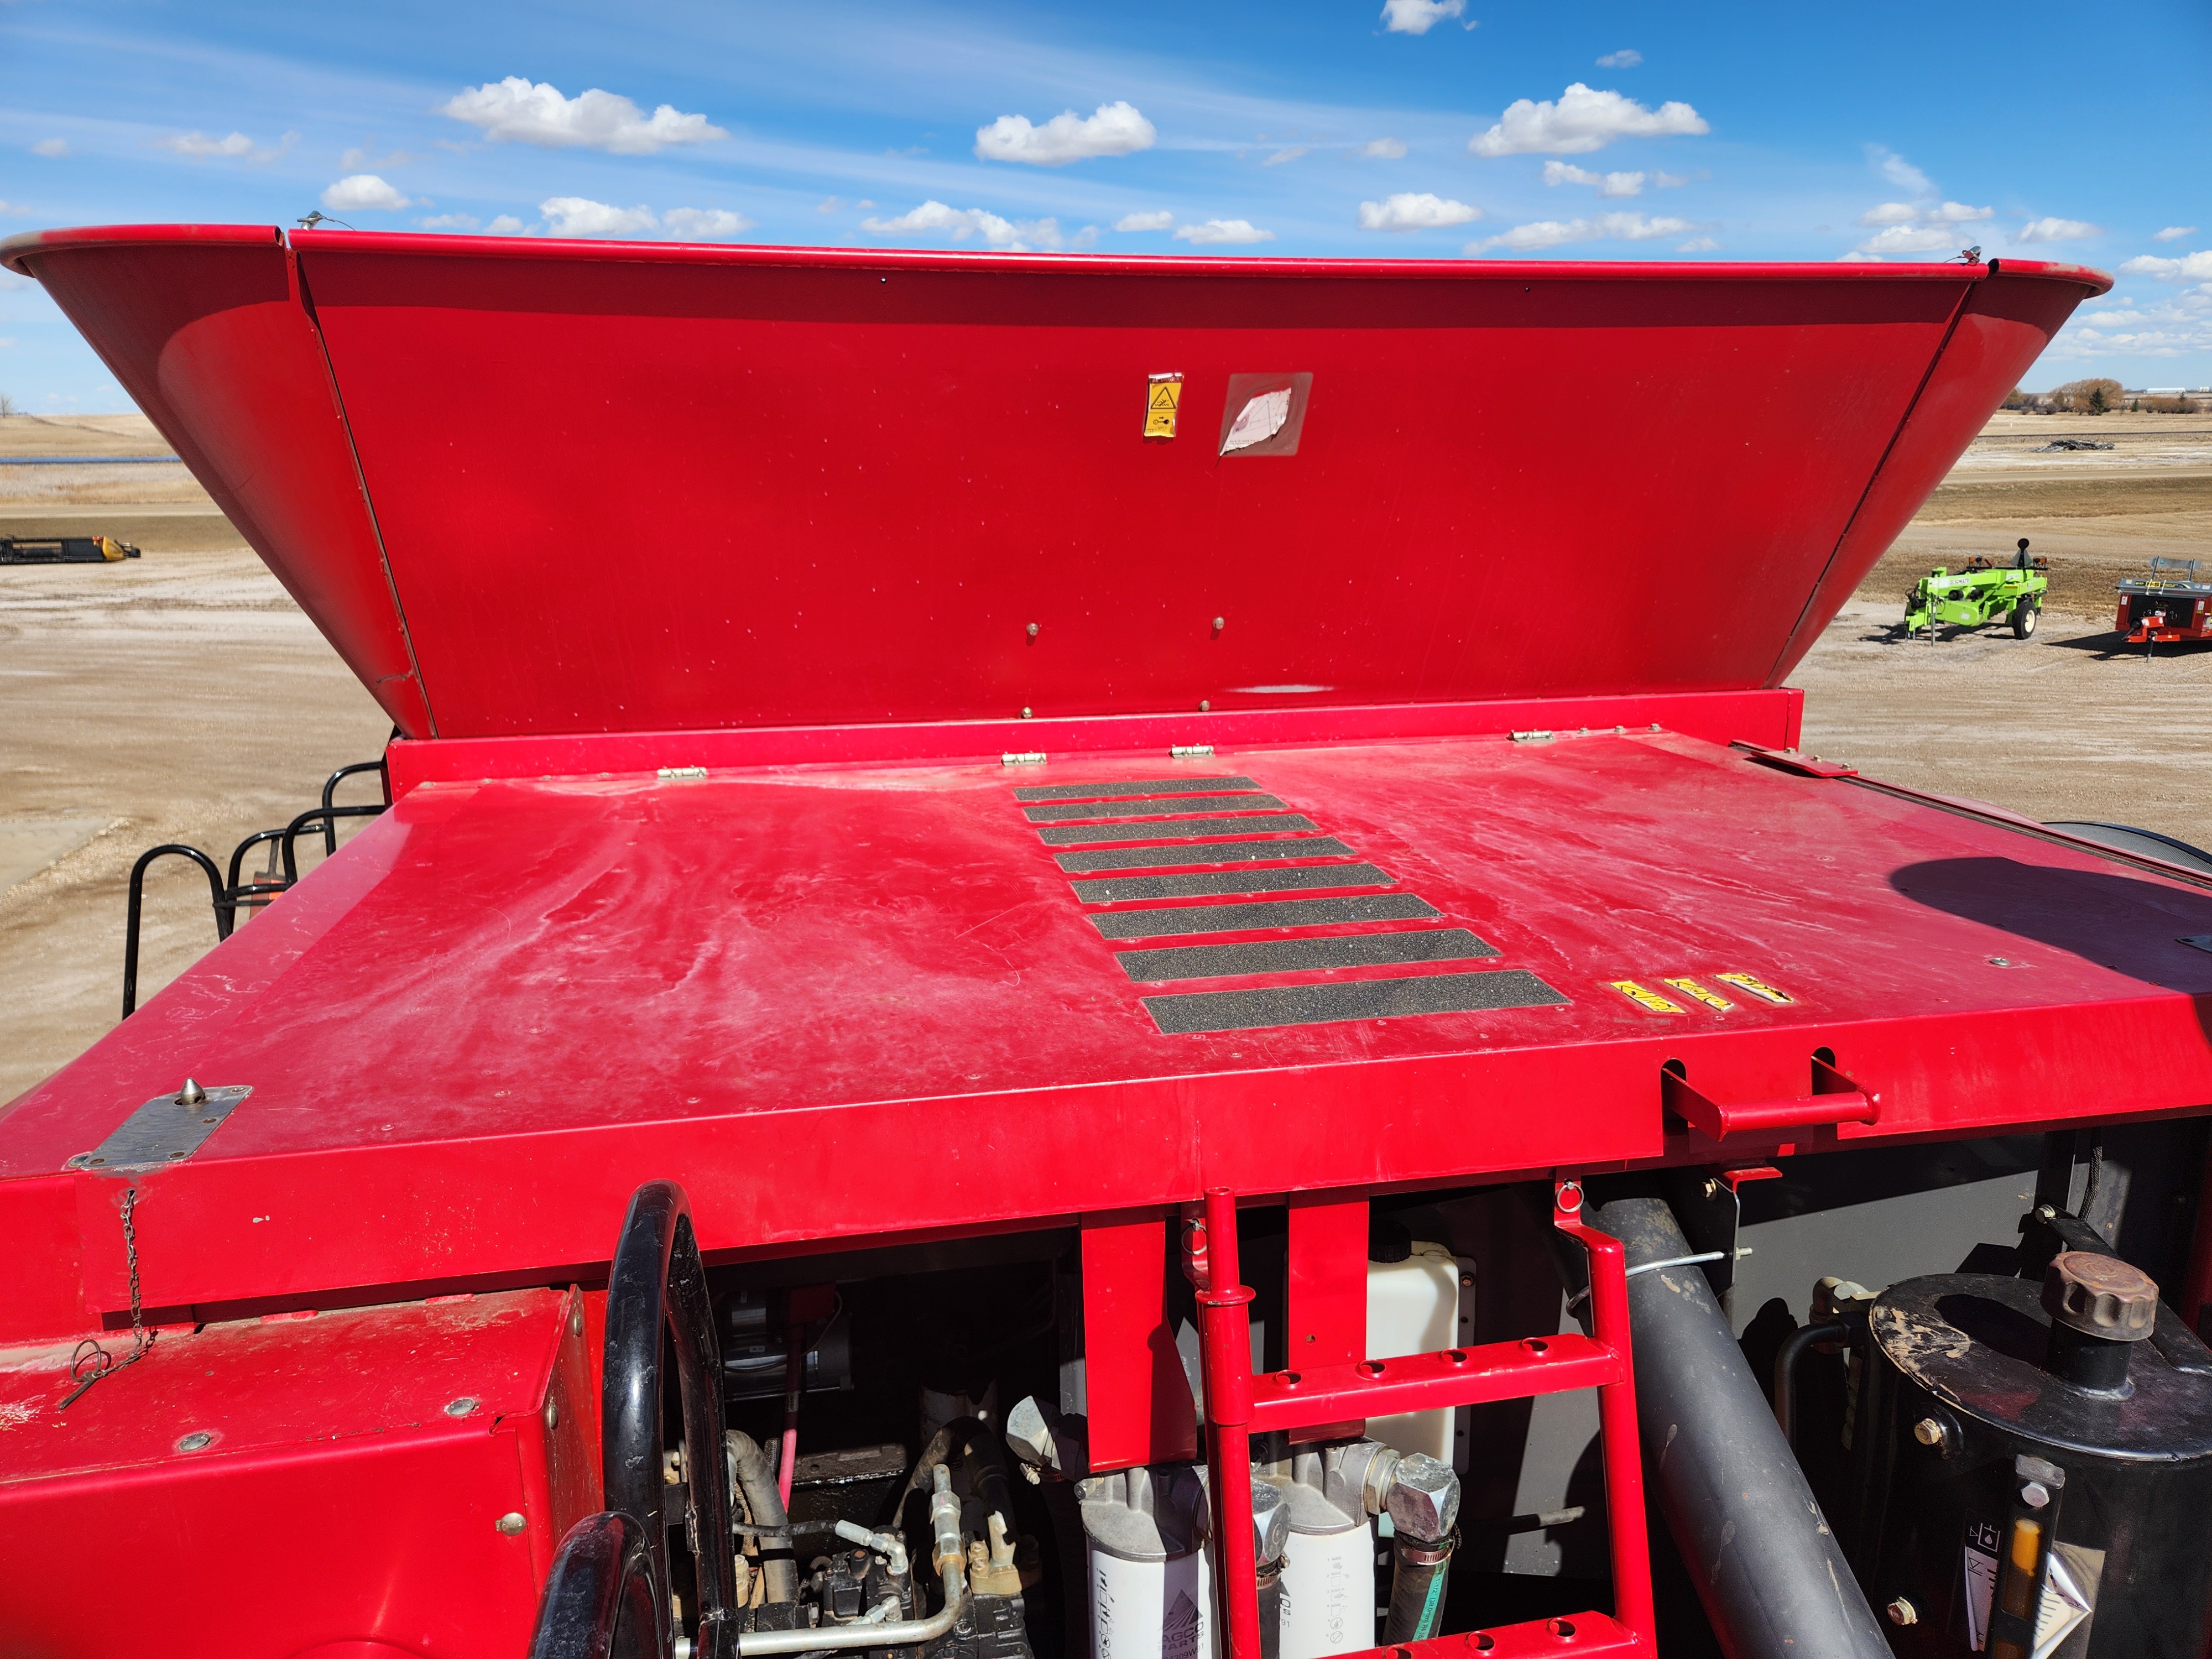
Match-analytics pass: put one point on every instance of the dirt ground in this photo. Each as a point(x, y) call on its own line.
point(182, 696)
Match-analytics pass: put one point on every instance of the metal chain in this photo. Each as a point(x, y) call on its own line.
point(88, 1367)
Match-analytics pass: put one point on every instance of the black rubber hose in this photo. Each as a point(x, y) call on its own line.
point(1419, 1571)
point(756, 1485)
point(1772, 1578)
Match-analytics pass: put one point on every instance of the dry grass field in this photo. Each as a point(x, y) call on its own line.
point(183, 696)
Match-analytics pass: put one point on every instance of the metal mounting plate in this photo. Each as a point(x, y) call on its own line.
point(163, 1131)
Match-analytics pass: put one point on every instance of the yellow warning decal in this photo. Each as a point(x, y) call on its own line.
point(1758, 987)
point(1163, 394)
point(1646, 998)
point(1712, 998)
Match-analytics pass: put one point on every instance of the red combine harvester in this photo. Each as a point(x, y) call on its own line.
point(1095, 1012)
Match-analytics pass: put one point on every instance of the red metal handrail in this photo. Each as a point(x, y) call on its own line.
point(1835, 1099)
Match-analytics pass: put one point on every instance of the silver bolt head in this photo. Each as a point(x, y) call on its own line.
point(1713, 1188)
point(1424, 1499)
point(198, 1440)
point(1928, 1432)
point(1902, 1612)
point(1271, 1521)
point(463, 1407)
point(511, 1523)
point(552, 1413)
point(2035, 1495)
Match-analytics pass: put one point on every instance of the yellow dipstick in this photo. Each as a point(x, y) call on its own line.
point(2019, 1584)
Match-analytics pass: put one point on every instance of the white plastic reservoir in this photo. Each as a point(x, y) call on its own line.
point(1413, 1307)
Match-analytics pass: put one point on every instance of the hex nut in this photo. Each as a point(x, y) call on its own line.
point(2100, 1296)
point(511, 1523)
point(1928, 1432)
point(2035, 1495)
point(1902, 1612)
point(1423, 1500)
point(1271, 1521)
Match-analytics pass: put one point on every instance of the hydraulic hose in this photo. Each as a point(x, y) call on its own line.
point(756, 1481)
point(1419, 1570)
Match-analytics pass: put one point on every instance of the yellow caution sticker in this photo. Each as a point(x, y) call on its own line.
point(1758, 987)
point(1163, 396)
point(1712, 998)
point(1646, 998)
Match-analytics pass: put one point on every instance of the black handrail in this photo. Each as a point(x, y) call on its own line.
point(329, 815)
point(599, 1601)
point(329, 787)
point(226, 910)
point(658, 1283)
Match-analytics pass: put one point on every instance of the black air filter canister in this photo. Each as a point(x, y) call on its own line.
point(2035, 1468)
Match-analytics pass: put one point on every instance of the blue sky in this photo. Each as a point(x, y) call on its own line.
point(1428, 128)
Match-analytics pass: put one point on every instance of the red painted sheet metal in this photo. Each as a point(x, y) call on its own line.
point(205, 326)
point(337, 1498)
point(630, 488)
point(493, 979)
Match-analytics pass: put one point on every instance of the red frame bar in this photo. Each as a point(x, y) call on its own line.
point(1545, 1638)
point(1237, 1403)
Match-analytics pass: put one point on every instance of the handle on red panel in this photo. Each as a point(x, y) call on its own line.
point(1835, 1099)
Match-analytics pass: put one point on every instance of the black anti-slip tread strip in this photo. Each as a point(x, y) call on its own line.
point(1125, 809)
point(1175, 918)
point(1086, 835)
point(1114, 889)
point(1290, 956)
point(1142, 786)
point(1220, 851)
point(1183, 1013)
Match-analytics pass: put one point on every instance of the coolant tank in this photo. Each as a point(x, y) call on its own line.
point(1413, 1307)
point(1143, 1530)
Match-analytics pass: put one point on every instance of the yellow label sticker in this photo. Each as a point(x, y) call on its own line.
point(1163, 394)
point(1712, 998)
point(1650, 1001)
point(1758, 987)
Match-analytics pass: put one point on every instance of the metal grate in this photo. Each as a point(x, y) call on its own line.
point(1116, 890)
point(1220, 851)
point(1082, 835)
point(1189, 1011)
point(1174, 918)
point(1292, 956)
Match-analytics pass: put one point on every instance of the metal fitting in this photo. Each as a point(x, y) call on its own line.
point(1902, 1612)
point(1040, 1439)
point(1935, 1434)
point(510, 1523)
point(1271, 1521)
point(888, 1545)
point(1360, 1476)
point(1423, 1498)
point(948, 1557)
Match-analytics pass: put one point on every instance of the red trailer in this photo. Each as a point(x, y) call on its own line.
point(1079, 880)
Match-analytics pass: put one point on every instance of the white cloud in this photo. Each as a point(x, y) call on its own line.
point(2169, 325)
point(1891, 213)
point(1408, 211)
point(1163, 220)
point(1117, 129)
point(2170, 233)
point(505, 225)
point(1385, 149)
point(198, 144)
point(1697, 245)
point(451, 222)
point(359, 191)
point(1898, 171)
point(1418, 17)
point(828, 204)
point(2057, 230)
point(579, 216)
point(1958, 213)
point(514, 108)
point(1223, 232)
point(1288, 153)
point(2189, 267)
point(1626, 58)
point(704, 224)
point(1911, 239)
point(50, 148)
point(1608, 184)
point(1604, 227)
point(1004, 234)
point(1855, 258)
point(1581, 121)
point(1671, 180)
point(366, 160)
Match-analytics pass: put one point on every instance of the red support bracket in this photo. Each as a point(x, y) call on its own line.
point(1835, 1099)
point(1238, 1404)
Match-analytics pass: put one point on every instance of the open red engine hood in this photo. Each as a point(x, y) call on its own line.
point(534, 487)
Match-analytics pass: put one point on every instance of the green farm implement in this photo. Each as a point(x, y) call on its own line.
point(1980, 593)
